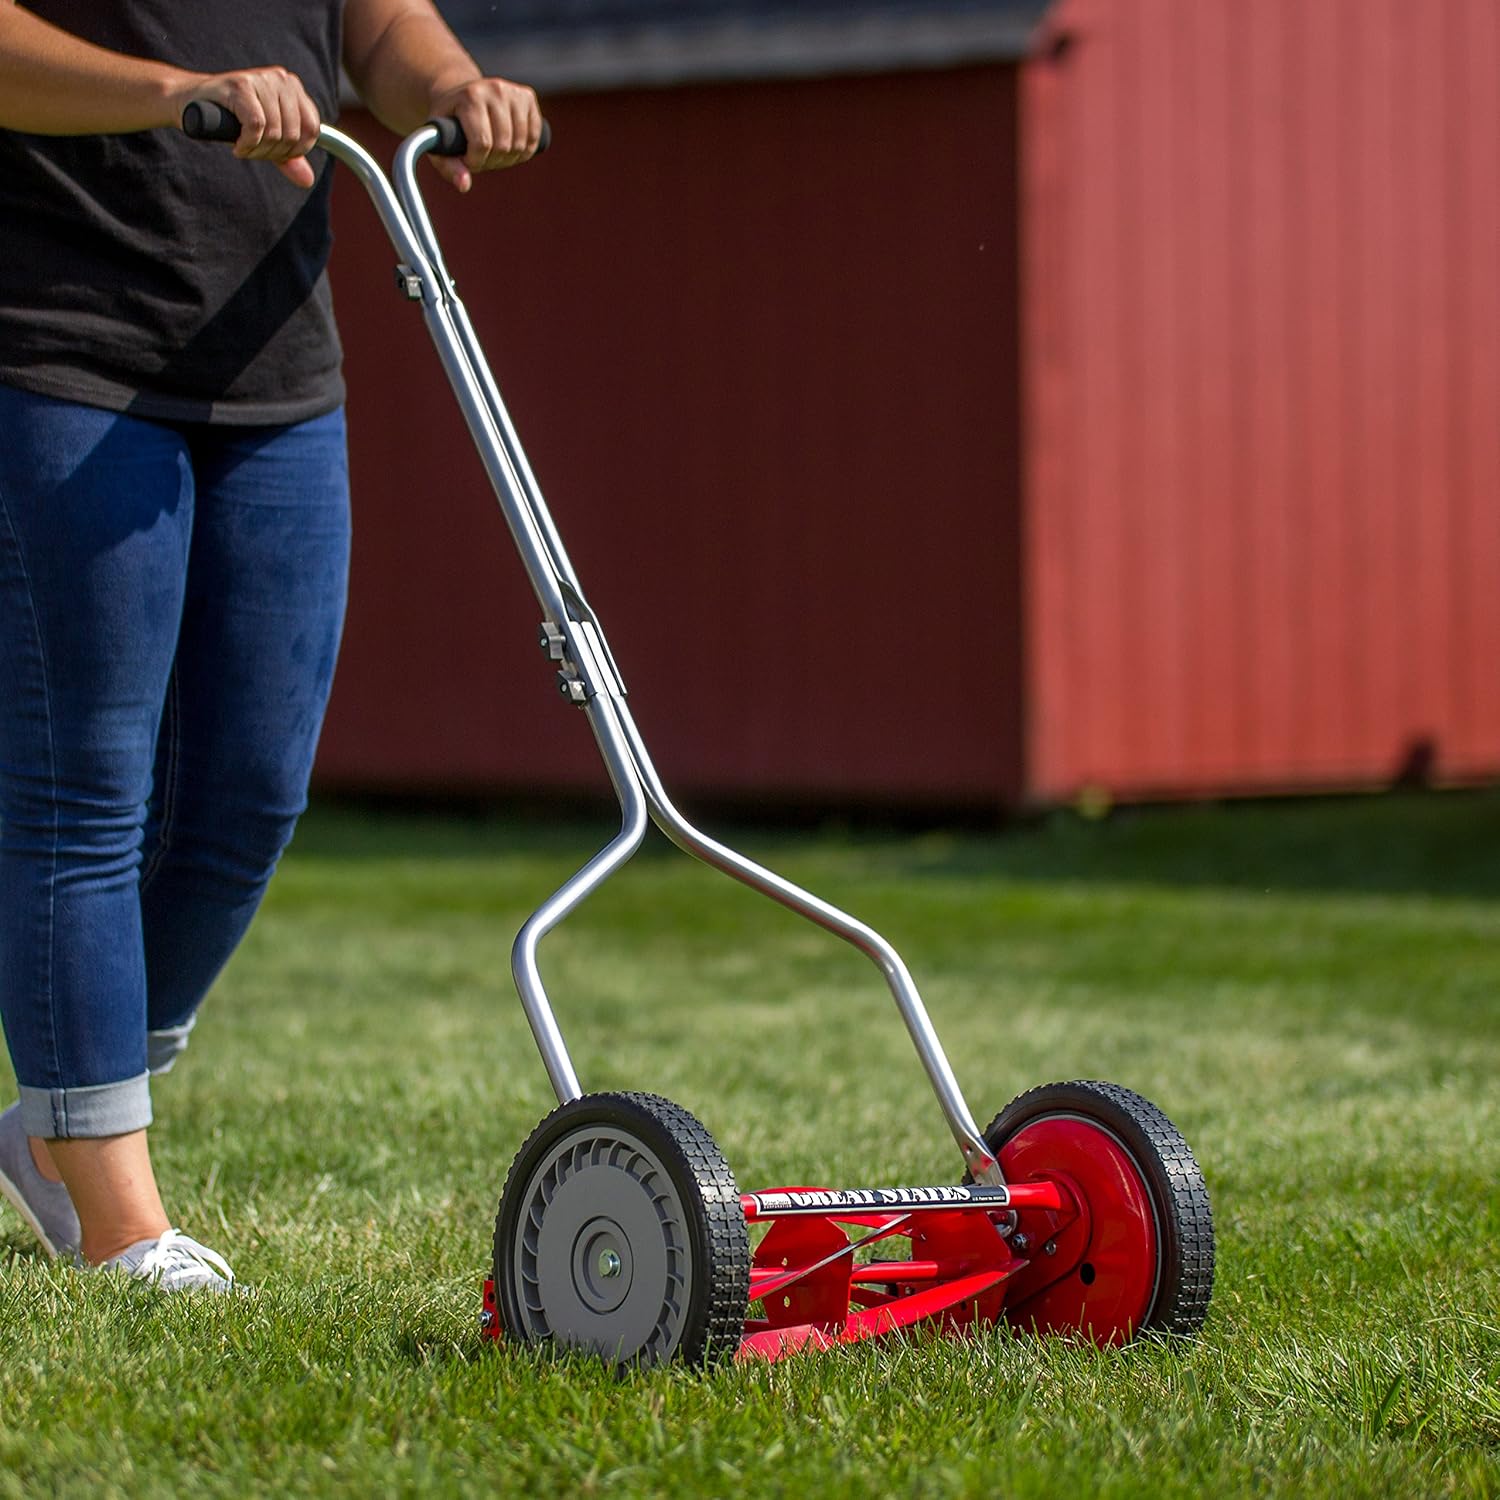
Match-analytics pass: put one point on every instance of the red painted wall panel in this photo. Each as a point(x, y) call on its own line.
point(1262, 371)
point(761, 344)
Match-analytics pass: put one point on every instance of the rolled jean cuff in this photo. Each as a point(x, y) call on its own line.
point(86, 1113)
point(164, 1047)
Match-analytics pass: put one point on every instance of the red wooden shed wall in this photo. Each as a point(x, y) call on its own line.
point(761, 344)
point(1262, 272)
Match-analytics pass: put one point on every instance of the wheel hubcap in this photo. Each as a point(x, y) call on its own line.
point(1109, 1290)
point(603, 1261)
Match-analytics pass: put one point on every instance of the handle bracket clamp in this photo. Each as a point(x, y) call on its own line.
point(409, 284)
point(571, 681)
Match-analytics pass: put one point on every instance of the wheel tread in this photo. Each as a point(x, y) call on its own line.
point(724, 1227)
point(1188, 1257)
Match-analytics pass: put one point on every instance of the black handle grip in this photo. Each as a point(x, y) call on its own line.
point(452, 141)
point(204, 120)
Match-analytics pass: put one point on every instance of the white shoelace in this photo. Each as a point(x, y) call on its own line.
point(175, 1262)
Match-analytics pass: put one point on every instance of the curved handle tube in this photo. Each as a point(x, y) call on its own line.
point(524, 965)
point(977, 1156)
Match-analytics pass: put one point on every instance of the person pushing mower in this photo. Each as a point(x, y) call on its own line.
point(174, 535)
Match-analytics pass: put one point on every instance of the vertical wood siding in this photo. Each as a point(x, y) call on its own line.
point(1261, 275)
point(761, 344)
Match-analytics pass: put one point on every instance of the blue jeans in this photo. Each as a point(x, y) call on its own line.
point(171, 600)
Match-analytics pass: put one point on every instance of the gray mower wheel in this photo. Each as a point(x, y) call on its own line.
point(620, 1232)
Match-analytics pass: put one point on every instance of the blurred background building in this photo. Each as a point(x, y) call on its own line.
point(962, 404)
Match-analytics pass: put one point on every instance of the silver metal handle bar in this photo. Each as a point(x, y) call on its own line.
point(404, 174)
point(425, 285)
point(627, 760)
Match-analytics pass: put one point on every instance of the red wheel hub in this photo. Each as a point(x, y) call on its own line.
point(1101, 1275)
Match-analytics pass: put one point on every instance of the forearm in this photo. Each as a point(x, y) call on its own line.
point(409, 68)
point(401, 58)
point(54, 83)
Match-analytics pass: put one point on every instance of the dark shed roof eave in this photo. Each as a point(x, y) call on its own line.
point(614, 58)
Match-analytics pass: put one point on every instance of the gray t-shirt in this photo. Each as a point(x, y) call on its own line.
point(165, 277)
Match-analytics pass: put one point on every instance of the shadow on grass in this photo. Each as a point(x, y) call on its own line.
point(1400, 843)
point(426, 1348)
point(18, 1244)
point(1428, 843)
point(430, 1347)
point(1408, 843)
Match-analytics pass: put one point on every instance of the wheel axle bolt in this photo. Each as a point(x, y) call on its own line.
point(609, 1263)
point(1050, 1248)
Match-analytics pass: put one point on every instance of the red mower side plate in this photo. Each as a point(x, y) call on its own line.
point(813, 1294)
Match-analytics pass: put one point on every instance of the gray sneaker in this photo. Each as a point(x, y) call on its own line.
point(174, 1263)
point(44, 1205)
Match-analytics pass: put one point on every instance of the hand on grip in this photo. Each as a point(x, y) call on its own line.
point(452, 141)
point(265, 112)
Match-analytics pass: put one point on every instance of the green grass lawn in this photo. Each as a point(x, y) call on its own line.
point(1311, 991)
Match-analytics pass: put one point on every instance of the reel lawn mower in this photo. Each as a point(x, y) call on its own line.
point(621, 1228)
